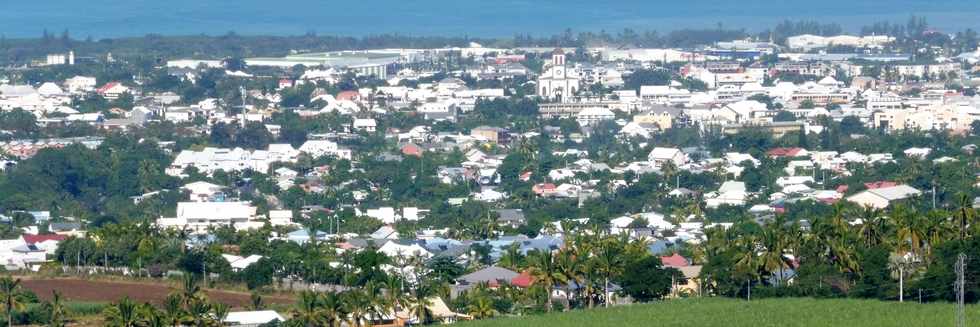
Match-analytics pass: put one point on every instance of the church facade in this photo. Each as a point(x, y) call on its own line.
point(559, 80)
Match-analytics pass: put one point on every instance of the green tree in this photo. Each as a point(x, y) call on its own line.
point(124, 313)
point(10, 292)
point(647, 280)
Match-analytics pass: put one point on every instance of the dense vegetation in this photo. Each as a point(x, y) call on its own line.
point(733, 313)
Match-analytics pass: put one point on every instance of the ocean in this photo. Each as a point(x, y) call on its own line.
point(484, 18)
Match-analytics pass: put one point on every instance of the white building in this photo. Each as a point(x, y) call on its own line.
point(80, 84)
point(365, 124)
point(209, 160)
point(559, 81)
point(320, 148)
point(199, 216)
point(660, 156)
point(881, 198)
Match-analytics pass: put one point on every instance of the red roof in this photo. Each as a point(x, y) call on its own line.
point(543, 188)
point(32, 239)
point(105, 88)
point(412, 150)
point(348, 95)
point(784, 152)
point(526, 176)
point(675, 260)
point(522, 280)
point(881, 184)
point(842, 189)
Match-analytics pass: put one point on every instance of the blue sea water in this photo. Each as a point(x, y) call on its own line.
point(484, 18)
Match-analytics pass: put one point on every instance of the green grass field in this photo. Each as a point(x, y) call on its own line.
point(734, 313)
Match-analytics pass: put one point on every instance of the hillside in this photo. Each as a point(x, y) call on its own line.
point(734, 313)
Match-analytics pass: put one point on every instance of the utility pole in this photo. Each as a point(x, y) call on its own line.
point(960, 290)
point(901, 283)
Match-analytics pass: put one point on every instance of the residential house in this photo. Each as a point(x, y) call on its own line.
point(252, 318)
point(661, 156)
point(199, 216)
point(881, 198)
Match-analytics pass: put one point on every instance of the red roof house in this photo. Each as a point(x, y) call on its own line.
point(786, 152)
point(675, 260)
point(348, 96)
point(881, 184)
point(544, 188)
point(33, 239)
point(523, 280)
point(411, 149)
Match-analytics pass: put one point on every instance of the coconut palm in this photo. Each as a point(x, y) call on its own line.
point(570, 268)
point(151, 317)
point(964, 214)
point(773, 243)
point(10, 291)
point(308, 312)
point(394, 291)
point(609, 262)
point(332, 309)
point(511, 258)
point(482, 308)
point(377, 301)
point(873, 227)
point(545, 273)
point(421, 302)
point(124, 313)
point(908, 235)
point(358, 306)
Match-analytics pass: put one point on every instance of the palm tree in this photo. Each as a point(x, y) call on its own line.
point(153, 317)
point(124, 313)
point(358, 306)
point(394, 292)
point(257, 302)
point(964, 214)
point(199, 311)
point(569, 266)
point(219, 312)
point(10, 291)
point(909, 233)
point(56, 308)
point(308, 312)
point(332, 309)
point(872, 227)
point(771, 257)
point(190, 289)
point(173, 310)
point(482, 308)
point(747, 262)
point(608, 261)
point(421, 303)
point(511, 258)
point(381, 302)
point(544, 272)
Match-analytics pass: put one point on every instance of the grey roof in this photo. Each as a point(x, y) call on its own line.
point(66, 226)
point(510, 215)
point(659, 109)
point(488, 274)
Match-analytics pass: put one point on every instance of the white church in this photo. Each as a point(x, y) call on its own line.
point(559, 80)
